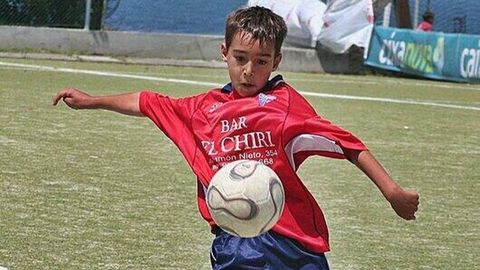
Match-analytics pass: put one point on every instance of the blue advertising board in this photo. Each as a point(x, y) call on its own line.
point(435, 55)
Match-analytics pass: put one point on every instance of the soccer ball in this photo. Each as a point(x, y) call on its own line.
point(245, 198)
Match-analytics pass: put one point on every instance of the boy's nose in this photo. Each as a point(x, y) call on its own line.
point(248, 70)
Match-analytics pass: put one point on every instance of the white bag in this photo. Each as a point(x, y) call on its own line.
point(303, 18)
point(347, 23)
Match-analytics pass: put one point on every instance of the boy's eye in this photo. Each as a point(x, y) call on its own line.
point(239, 58)
point(262, 62)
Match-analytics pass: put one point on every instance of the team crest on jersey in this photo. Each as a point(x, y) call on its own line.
point(215, 106)
point(264, 99)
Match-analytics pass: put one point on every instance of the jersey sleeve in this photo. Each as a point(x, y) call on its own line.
point(174, 116)
point(307, 134)
point(171, 115)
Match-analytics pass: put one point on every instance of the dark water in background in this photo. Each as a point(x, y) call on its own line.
point(168, 16)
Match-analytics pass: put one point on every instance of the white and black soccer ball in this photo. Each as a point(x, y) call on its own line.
point(245, 198)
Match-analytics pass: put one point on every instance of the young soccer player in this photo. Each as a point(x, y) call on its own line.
point(263, 118)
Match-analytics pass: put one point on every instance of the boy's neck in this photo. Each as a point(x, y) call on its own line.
point(267, 87)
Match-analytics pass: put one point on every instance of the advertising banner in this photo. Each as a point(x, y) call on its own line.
point(435, 55)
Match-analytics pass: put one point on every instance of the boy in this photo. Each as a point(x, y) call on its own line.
point(266, 118)
point(427, 24)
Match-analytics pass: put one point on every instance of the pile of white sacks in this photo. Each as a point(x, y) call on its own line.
point(337, 25)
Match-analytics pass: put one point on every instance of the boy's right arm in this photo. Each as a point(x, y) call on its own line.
point(404, 202)
point(123, 103)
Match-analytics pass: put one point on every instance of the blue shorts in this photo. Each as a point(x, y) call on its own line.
point(267, 251)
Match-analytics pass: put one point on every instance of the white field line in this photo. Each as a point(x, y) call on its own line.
point(398, 81)
point(326, 78)
point(212, 84)
point(390, 100)
point(106, 73)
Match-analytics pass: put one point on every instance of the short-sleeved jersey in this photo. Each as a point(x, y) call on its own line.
point(277, 127)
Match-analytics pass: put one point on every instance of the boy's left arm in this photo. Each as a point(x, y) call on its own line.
point(404, 202)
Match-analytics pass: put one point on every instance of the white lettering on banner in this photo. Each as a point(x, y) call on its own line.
point(392, 52)
point(470, 63)
point(415, 56)
point(439, 54)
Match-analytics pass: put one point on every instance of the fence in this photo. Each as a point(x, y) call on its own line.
point(52, 13)
point(459, 16)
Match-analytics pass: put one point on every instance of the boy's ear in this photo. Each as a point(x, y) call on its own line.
point(276, 61)
point(224, 52)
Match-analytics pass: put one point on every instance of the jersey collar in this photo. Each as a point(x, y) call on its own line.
point(268, 86)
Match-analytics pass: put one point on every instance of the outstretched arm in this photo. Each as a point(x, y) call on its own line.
point(404, 202)
point(123, 103)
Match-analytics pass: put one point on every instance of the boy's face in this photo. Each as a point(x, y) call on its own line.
point(249, 63)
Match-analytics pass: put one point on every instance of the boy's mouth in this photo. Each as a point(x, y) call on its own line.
point(247, 85)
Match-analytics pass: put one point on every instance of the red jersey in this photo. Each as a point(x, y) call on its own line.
point(277, 127)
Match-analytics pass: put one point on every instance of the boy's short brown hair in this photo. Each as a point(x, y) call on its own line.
point(258, 22)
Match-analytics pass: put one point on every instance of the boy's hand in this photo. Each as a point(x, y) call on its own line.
point(127, 103)
point(405, 203)
point(74, 98)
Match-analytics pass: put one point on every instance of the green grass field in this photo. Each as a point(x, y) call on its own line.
point(99, 190)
